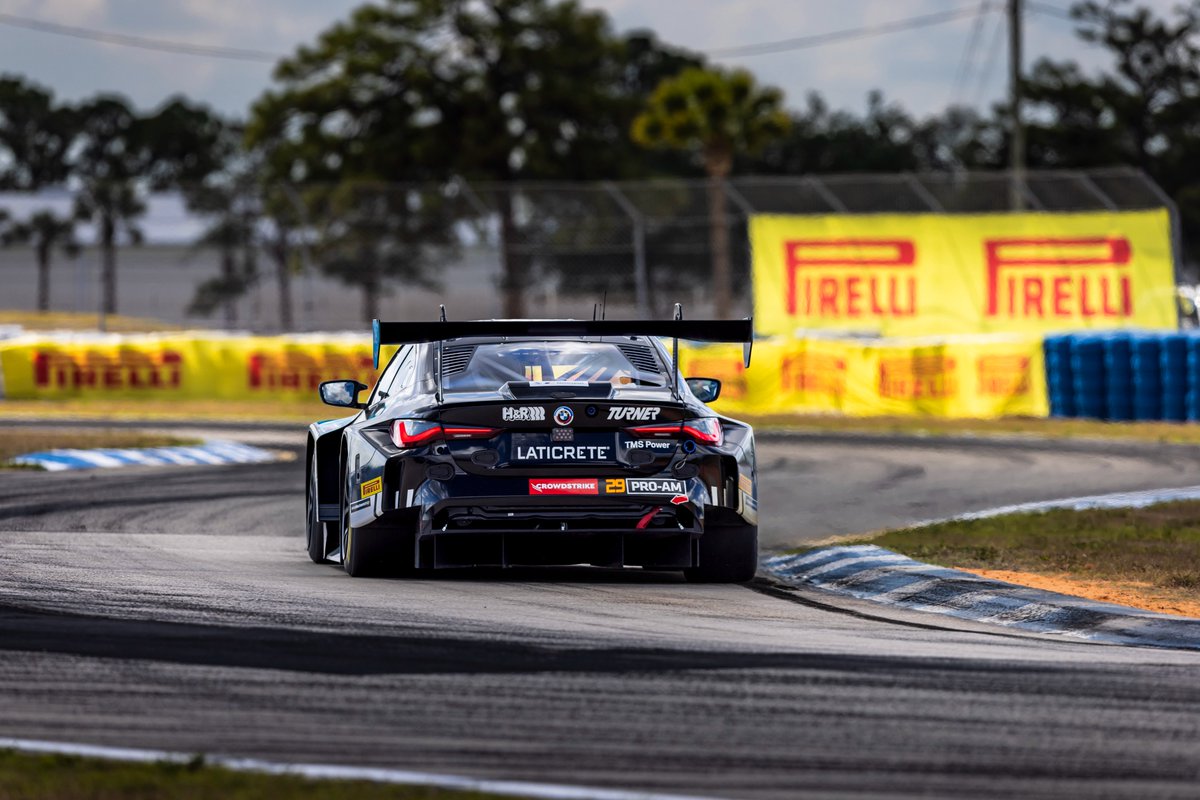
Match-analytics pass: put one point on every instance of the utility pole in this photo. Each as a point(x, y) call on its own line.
point(1016, 189)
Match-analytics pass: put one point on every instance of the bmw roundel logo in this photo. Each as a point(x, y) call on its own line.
point(564, 415)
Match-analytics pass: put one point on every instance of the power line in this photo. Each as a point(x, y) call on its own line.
point(993, 54)
point(1047, 10)
point(141, 42)
point(966, 64)
point(846, 35)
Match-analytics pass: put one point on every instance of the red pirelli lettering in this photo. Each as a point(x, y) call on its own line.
point(818, 283)
point(1067, 292)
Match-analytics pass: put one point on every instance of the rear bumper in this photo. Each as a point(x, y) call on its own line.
point(515, 530)
point(510, 549)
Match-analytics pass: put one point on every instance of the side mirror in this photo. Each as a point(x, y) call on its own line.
point(342, 393)
point(705, 389)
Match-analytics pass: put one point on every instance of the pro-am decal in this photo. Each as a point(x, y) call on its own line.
point(634, 413)
point(523, 414)
point(654, 486)
point(590, 486)
point(371, 487)
point(545, 486)
point(562, 452)
point(641, 486)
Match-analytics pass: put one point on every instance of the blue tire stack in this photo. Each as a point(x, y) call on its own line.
point(1118, 377)
point(1146, 366)
point(1087, 376)
point(1059, 383)
point(1192, 400)
point(1173, 355)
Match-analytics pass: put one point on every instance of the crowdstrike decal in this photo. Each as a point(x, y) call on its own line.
point(564, 486)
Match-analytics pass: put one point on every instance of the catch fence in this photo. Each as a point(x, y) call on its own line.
point(326, 257)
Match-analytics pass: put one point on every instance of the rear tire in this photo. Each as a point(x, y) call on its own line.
point(728, 554)
point(377, 550)
point(357, 556)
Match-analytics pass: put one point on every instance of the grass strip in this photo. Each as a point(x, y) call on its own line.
point(19, 441)
point(300, 412)
point(1165, 432)
point(59, 777)
point(77, 321)
point(1144, 557)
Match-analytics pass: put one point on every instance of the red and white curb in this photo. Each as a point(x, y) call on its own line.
point(211, 452)
point(878, 575)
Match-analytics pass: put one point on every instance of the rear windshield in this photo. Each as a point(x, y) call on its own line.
point(493, 365)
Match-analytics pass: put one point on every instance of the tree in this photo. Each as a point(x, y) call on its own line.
point(35, 136)
point(46, 231)
point(378, 231)
point(497, 91)
point(1142, 112)
point(119, 155)
point(233, 231)
point(715, 115)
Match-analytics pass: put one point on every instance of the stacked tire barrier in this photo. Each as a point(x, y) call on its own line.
point(1124, 375)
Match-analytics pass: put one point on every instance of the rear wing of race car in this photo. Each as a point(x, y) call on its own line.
point(697, 330)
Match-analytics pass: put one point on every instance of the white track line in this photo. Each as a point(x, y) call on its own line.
point(545, 791)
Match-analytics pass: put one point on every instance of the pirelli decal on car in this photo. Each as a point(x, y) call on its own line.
point(607, 486)
point(634, 413)
point(371, 487)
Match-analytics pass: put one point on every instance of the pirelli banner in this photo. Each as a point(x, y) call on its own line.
point(968, 377)
point(921, 274)
point(183, 366)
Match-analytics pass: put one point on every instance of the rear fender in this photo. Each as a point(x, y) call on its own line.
point(326, 437)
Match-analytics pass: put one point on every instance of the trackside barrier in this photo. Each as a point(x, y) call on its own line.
point(964, 377)
point(984, 376)
point(1124, 375)
point(183, 366)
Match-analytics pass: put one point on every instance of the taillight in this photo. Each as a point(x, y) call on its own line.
point(468, 432)
point(414, 432)
point(705, 429)
point(417, 432)
point(670, 430)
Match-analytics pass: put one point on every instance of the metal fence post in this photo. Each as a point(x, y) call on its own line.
point(293, 197)
point(641, 275)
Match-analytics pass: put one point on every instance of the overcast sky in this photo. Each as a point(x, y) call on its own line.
point(924, 70)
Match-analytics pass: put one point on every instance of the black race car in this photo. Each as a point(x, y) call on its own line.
point(535, 442)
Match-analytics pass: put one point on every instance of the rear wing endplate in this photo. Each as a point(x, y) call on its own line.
point(696, 330)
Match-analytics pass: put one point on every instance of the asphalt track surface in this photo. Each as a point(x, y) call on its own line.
point(174, 608)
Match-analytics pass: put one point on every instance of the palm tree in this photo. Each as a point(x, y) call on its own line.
point(717, 115)
point(46, 231)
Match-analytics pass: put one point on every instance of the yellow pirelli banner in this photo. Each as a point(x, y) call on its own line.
point(982, 376)
point(934, 274)
point(195, 366)
point(968, 377)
